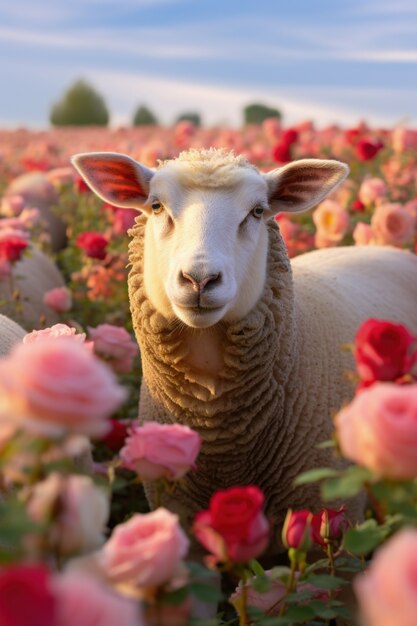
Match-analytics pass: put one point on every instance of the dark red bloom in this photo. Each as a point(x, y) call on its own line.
point(358, 206)
point(25, 596)
point(81, 186)
point(289, 136)
point(297, 531)
point(234, 527)
point(328, 524)
point(93, 244)
point(367, 150)
point(384, 351)
point(282, 153)
point(11, 248)
point(115, 438)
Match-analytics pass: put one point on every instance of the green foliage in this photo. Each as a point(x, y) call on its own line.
point(190, 116)
point(81, 105)
point(256, 113)
point(144, 117)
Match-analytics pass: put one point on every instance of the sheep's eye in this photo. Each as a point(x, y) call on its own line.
point(156, 207)
point(257, 211)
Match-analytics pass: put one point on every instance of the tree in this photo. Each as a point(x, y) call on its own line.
point(256, 113)
point(144, 117)
point(81, 105)
point(191, 116)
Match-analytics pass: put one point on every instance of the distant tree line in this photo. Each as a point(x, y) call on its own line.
point(81, 105)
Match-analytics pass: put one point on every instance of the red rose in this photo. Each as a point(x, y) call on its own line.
point(358, 206)
point(12, 247)
point(297, 531)
point(289, 136)
point(384, 351)
point(282, 152)
point(115, 438)
point(93, 244)
point(367, 150)
point(25, 597)
point(234, 528)
point(80, 185)
point(328, 524)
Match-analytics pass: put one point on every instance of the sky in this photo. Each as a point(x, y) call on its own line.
point(325, 60)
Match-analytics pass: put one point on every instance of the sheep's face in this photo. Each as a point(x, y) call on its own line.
point(205, 247)
point(206, 240)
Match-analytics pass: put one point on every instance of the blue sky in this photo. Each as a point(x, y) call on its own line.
point(330, 61)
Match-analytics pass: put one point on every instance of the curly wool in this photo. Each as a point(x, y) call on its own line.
point(10, 334)
point(243, 410)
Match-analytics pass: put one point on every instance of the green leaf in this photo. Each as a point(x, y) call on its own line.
point(256, 567)
point(314, 475)
point(205, 592)
point(346, 485)
point(176, 597)
point(299, 613)
point(199, 571)
point(364, 538)
point(279, 572)
point(330, 443)
point(325, 581)
point(262, 584)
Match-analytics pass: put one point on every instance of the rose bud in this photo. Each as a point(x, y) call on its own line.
point(297, 531)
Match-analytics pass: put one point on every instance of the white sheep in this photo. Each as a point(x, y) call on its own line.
point(10, 333)
point(33, 276)
point(235, 343)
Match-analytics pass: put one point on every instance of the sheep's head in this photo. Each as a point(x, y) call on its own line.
point(206, 239)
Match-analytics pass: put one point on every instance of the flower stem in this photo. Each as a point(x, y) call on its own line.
point(376, 505)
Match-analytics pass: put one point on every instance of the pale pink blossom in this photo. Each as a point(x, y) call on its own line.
point(56, 387)
point(362, 234)
point(387, 591)
point(272, 129)
point(53, 332)
point(145, 551)
point(155, 450)
point(331, 220)
point(75, 510)
point(82, 600)
point(378, 430)
point(115, 345)
point(30, 217)
point(372, 190)
point(403, 139)
point(12, 205)
point(392, 224)
point(58, 299)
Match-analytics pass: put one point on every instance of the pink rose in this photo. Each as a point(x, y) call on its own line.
point(58, 299)
point(115, 345)
point(81, 600)
point(53, 332)
point(362, 234)
point(387, 591)
point(75, 510)
point(372, 190)
point(378, 430)
point(12, 205)
point(56, 386)
point(145, 551)
point(155, 450)
point(331, 220)
point(392, 224)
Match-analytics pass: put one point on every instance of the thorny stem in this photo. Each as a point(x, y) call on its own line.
point(243, 616)
point(290, 588)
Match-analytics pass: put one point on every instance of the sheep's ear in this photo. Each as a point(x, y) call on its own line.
point(115, 178)
point(301, 185)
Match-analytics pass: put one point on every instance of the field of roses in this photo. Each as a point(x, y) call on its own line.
point(78, 544)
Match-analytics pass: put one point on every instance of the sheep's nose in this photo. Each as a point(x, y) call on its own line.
point(199, 284)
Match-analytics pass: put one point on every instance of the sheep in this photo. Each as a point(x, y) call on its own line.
point(33, 275)
point(37, 191)
point(10, 333)
point(236, 342)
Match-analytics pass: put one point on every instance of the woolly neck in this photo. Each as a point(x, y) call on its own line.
point(244, 405)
